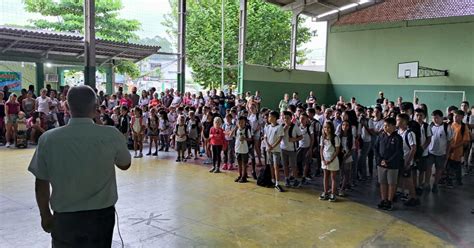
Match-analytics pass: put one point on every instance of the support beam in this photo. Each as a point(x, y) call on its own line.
point(294, 39)
point(10, 46)
point(89, 43)
point(242, 44)
point(182, 46)
point(39, 77)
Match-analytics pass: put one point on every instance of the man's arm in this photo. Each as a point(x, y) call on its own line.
point(42, 199)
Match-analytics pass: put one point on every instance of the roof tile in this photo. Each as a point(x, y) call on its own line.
point(404, 10)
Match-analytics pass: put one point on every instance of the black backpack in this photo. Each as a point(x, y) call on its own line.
point(415, 127)
point(264, 178)
point(445, 127)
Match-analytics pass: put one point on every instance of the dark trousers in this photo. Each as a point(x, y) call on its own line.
point(454, 169)
point(93, 228)
point(216, 156)
point(370, 157)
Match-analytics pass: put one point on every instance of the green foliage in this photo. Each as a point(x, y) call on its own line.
point(268, 37)
point(70, 18)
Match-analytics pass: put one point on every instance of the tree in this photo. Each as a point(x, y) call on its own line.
point(70, 18)
point(268, 37)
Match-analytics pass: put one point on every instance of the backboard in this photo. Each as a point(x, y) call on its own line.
point(408, 69)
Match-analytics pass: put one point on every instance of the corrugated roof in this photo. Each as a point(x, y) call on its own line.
point(69, 46)
point(405, 10)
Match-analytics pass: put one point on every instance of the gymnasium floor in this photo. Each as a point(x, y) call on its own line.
point(163, 204)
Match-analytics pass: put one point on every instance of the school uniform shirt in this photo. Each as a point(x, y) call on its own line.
point(272, 134)
point(285, 143)
point(193, 128)
point(407, 146)
point(79, 161)
point(458, 138)
point(228, 127)
point(345, 148)
point(364, 134)
point(440, 139)
point(255, 123)
point(164, 127)
point(328, 148)
point(241, 147)
point(424, 135)
point(180, 130)
point(307, 133)
point(378, 125)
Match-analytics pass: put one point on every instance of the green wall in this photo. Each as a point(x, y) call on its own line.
point(363, 59)
point(273, 83)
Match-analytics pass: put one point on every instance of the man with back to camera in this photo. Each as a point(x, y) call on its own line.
point(79, 160)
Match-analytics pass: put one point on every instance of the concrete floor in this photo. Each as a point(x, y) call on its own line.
point(162, 204)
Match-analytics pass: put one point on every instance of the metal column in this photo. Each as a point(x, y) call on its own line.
point(109, 79)
point(222, 42)
point(182, 46)
point(39, 78)
point(242, 44)
point(89, 43)
point(294, 40)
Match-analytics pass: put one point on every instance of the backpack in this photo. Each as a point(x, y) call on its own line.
point(264, 178)
point(185, 129)
point(290, 135)
point(415, 127)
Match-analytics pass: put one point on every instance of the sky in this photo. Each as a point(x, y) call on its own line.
point(148, 12)
point(151, 14)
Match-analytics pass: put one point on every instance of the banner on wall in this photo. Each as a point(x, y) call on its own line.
point(10, 79)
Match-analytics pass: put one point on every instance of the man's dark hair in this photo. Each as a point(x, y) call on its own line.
point(311, 110)
point(391, 121)
point(437, 113)
point(242, 118)
point(287, 113)
point(459, 112)
point(405, 106)
point(317, 107)
point(420, 111)
point(465, 102)
point(82, 101)
point(292, 108)
point(452, 108)
point(275, 114)
point(404, 117)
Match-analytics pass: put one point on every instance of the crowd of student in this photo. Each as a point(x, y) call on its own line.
point(343, 142)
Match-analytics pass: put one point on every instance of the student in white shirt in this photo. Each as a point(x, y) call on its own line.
point(288, 147)
point(409, 150)
point(273, 135)
point(425, 140)
point(442, 133)
point(305, 148)
point(242, 136)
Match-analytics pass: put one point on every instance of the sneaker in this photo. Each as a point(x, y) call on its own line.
point(230, 167)
point(254, 175)
point(212, 169)
point(237, 179)
point(7, 145)
point(382, 204)
point(435, 188)
point(388, 206)
point(332, 198)
point(155, 154)
point(243, 180)
point(296, 184)
point(178, 160)
point(135, 156)
point(161, 149)
point(341, 193)
point(140, 155)
point(292, 178)
point(324, 196)
point(308, 178)
point(404, 197)
point(279, 188)
point(184, 160)
point(287, 182)
point(224, 167)
point(148, 154)
point(217, 170)
point(412, 202)
point(303, 181)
